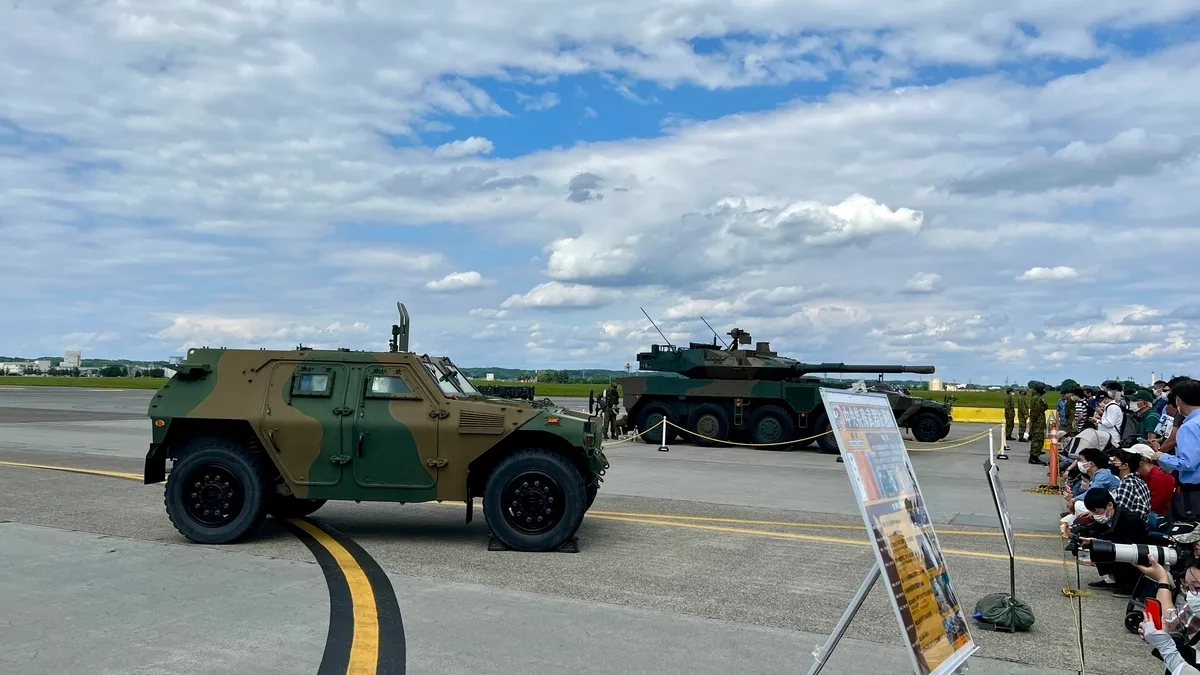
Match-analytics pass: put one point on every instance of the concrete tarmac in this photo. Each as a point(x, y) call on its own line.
point(751, 554)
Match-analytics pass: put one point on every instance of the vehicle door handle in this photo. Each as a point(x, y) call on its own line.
point(361, 438)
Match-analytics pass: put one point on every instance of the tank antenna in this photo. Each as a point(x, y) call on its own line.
point(714, 332)
point(657, 328)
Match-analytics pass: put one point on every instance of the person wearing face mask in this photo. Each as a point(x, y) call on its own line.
point(1182, 619)
point(1094, 472)
point(1112, 523)
point(1186, 460)
point(1132, 495)
point(1110, 414)
point(1161, 484)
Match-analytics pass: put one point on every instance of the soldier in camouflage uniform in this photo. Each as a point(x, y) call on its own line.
point(1037, 424)
point(613, 403)
point(1022, 413)
point(1009, 412)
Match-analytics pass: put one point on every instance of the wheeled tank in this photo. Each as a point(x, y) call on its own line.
point(755, 396)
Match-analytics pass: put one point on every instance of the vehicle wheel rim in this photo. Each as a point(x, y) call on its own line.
point(769, 430)
point(212, 495)
point(533, 502)
point(654, 421)
point(928, 427)
point(708, 426)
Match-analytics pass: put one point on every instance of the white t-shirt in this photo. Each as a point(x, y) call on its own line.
point(1110, 422)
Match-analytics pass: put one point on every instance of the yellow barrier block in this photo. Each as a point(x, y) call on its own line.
point(978, 415)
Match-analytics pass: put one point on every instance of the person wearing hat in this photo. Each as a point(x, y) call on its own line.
point(1037, 424)
point(1009, 414)
point(1161, 484)
point(1112, 523)
point(1148, 418)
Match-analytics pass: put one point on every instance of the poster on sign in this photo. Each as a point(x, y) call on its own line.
point(931, 618)
point(993, 474)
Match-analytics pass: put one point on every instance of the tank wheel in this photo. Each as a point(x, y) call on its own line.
point(708, 421)
point(771, 424)
point(534, 501)
point(288, 506)
point(926, 428)
point(591, 495)
point(650, 417)
point(828, 443)
point(214, 493)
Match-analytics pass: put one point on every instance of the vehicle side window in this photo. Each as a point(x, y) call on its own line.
point(317, 383)
point(381, 385)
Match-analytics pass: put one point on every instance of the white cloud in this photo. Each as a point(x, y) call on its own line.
point(232, 331)
point(475, 145)
point(924, 283)
point(543, 101)
point(1048, 273)
point(455, 281)
point(555, 295)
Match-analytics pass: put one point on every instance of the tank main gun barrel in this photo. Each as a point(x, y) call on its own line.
point(801, 368)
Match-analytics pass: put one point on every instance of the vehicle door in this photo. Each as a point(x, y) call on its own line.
point(396, 431)
point(303, 420)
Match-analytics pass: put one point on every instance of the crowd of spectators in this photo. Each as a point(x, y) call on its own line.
point(1131, 473)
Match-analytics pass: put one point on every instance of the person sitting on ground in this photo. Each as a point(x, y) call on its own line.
point(1132, 495)
point(1092, 466)
point(1161, 484)
point(1114, 524)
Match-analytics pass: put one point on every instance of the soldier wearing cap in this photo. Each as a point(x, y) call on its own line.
point(1022, 413)
point(1009, 413)
point(1037, 423)
point(1148, 417)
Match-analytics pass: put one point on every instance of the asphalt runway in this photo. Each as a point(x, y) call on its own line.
point(697, 560)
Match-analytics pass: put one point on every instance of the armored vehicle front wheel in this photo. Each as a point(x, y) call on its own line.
point(214, 493)
point(649, 423)
point(534, 501)
point(770, 425)
point(288, 506)
point(828, 442)
point(926, 428)
point(708, 424)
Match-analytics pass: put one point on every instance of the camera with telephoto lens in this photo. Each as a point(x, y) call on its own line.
point(1134, 554)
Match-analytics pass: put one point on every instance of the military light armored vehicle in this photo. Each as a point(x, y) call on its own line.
point(256, 432)
point(756, 396)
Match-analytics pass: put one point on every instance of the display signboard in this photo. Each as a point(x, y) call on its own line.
point(993, 474)
point(907, 550)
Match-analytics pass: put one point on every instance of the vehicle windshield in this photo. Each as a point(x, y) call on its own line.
point(451, 380)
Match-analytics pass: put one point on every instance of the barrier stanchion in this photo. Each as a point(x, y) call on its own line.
point(662, 445)
point(992, 443)
point(1054, 450)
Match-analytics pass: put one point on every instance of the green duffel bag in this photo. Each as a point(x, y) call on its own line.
point(1004, 612)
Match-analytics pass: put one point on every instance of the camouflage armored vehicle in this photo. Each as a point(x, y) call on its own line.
point(756, 396)
point(256, 432)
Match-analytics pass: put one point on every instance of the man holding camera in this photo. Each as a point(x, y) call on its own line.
point(1183, 619)
point(1113, 524)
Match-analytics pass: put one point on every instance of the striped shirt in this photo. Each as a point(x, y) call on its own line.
point(1080, 414)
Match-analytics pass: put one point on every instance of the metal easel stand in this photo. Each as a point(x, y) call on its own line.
point(821, 654)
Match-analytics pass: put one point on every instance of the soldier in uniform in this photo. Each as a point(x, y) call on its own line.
point(613, 402)
point(1009, 412)
point(1022, 413)
point(1037, 424)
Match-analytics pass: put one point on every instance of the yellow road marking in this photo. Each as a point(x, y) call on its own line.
point(813, 537)
point(364, 650)
point(817, 526)
point(71, 469)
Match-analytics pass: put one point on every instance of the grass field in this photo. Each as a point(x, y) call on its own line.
point(82, 382)
point(966, 399)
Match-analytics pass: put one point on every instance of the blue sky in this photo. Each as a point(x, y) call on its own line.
point(1001, 193)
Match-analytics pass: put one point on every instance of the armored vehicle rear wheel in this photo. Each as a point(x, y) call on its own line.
point(288, 506)
point(534, 501)
point(591, 495)
point(708, 424)
point(926, 427)
point(649, 423)
point(771, 424)
point(827, 443)
point(214, 493)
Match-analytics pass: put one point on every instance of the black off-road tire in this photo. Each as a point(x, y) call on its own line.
point(828, 443)
point(644, 422)
point(541, 484)
point(772, 424)
point(926, 427)
point(708, 413)
point(592, 490)
point(212, 473)
point(289, 506)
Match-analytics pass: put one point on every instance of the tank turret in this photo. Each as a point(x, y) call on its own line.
point(723, 393)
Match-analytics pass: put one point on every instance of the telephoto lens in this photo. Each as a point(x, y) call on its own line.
point(1134, 554)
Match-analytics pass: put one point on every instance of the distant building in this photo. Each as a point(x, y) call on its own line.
point(43, 365)
point(73, 360)
point(490, 377)
point(935, 384)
